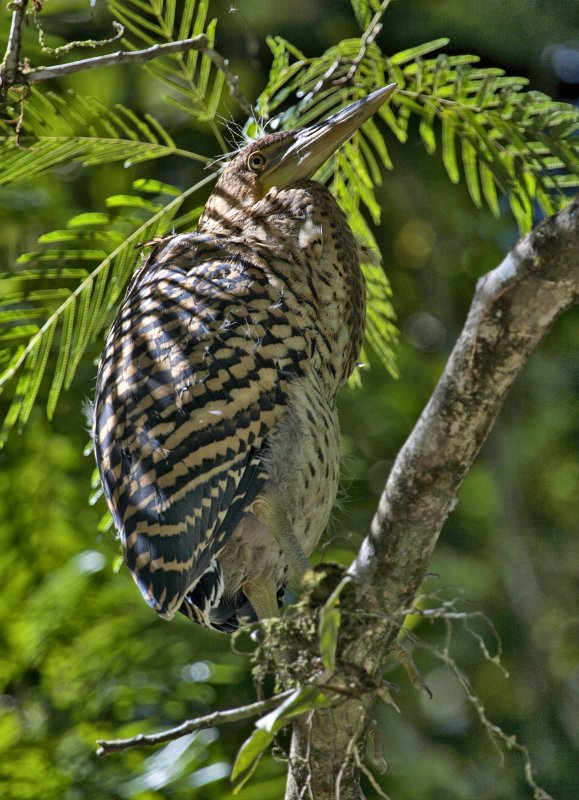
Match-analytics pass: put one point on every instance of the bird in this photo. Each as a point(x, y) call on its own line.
point(214, 421)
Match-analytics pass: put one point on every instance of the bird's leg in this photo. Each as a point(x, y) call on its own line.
point(273, 515)
point(262, 595)
point(262, 592)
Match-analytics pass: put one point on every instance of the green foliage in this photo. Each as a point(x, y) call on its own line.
point(194, 85)
point(364, 10)
point(76, 301)
point(519, 144)
point(82, 657)
point(512, 143)
point(329, 626)
point(306, 698)
point(67, 129)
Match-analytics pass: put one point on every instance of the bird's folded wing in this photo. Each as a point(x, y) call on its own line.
point(192, 380)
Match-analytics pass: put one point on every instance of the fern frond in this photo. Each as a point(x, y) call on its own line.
point(195, 84)
point(513, 142)
point(70, 129)
point(71, 302)
point(502, 139)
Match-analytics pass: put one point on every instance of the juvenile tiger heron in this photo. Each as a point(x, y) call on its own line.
point(215, 429)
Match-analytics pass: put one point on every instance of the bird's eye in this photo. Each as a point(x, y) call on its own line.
point(256, 162)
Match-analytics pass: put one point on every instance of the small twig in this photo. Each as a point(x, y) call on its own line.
point(200, 43)
point(366, 39)
point(233, 82)
point(11, 73)
point(496, 734)
point(66, 48)
point(38, 74)
point(9, 65)
point(191, 725)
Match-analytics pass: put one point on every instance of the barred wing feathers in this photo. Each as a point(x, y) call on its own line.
point(191, 382)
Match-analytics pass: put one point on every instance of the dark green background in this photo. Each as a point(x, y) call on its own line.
point(82, 657)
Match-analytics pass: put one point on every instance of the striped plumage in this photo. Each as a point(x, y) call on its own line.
point(214, 424)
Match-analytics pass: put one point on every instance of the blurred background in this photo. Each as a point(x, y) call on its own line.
point(82, 657)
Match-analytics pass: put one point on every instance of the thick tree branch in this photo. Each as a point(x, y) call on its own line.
point(513, 309)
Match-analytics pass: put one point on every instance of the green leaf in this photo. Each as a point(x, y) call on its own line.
point(390, 118)
point(522, 210)
point(88, 219)
point(426, 129)
point(448, 147)
point(489, 188)
point(364, 10)
point(329, 625)
point(248, 757)
point(131, 201)
point(302, 700)
point(404, 56)
point(63, 358)
point(470, 161)
point(81, 334)
point(155, 187)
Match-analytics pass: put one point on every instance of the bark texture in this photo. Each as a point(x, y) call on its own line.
point(513, 309)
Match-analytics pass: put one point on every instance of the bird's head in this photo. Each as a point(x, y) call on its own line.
point(281, 160)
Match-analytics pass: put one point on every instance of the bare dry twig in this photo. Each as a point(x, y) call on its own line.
point(39, 74)
point(12, 73)
point(498, 738)
point(367, 38)
point(189, 726)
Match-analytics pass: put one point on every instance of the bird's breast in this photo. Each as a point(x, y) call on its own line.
point(318, 267)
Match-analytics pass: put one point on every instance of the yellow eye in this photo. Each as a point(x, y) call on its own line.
point(256, 161)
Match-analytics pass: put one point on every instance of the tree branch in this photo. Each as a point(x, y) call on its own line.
point(11, 74)
point(39, 74)
point(11, 60)
point(513, 309)
point(191, 725)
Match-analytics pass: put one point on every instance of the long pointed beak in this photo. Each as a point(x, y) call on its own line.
point(311, 147)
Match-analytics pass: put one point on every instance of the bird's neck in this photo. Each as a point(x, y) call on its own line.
point(302, 241)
